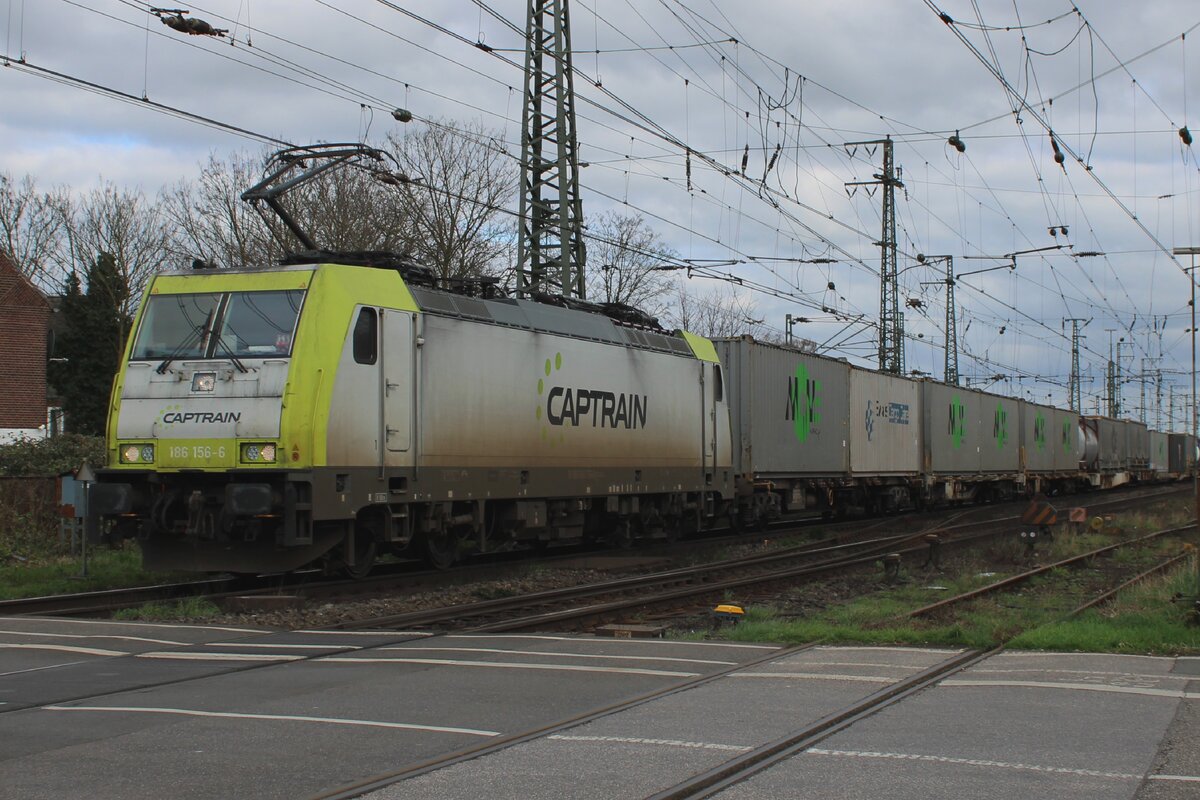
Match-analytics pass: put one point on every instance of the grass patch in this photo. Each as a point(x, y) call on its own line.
point(107, 569)
point(1030, 616)
point(187, 609)
point(1153, 617)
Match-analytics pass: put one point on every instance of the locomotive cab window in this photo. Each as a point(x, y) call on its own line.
point(366, 337)
point(213, 325)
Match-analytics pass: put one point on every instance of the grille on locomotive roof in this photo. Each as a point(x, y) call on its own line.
point(471, 308)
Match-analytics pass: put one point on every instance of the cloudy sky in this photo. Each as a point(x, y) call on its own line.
point(780, 86)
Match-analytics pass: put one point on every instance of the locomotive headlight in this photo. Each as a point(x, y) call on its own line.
point(204, 381)
point(137, 454)
point(258, 453)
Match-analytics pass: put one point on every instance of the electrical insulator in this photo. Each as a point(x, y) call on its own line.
point(402, 115)
point(957, 143)
point(1185, 135)
point(1059, 158)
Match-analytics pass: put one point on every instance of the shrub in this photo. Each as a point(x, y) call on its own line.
point(53, 456)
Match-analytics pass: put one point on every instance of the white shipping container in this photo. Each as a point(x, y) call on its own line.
point(885, 424)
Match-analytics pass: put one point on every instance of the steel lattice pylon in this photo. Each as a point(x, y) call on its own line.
point(550, 252)
point(950, 370)
point(891, 322)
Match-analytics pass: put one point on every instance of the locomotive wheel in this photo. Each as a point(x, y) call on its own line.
point(440, 549)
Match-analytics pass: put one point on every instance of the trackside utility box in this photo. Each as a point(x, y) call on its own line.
point(788, 410)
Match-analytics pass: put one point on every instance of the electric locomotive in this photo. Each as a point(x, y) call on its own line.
point(331, 409)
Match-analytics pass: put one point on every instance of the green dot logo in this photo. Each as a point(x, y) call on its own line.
point(551, 366)
point(1066, 436)
point(1039, 430)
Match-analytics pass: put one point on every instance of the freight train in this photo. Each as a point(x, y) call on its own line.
point(329, 410)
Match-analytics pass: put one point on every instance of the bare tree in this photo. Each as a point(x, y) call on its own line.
point(466, 179)
point(33, 224)
point(124, 226)
point(210, 220)
point(625, 257)
point(350, 210)
point(450, 220)
point(715, 313)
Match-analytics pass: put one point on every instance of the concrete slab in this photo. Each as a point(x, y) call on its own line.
point(295, 728)
point(868, 778)
point(655, 745)
point(1016, 725)
point(1176, 771)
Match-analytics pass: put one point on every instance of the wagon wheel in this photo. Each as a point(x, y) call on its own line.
point(440, 548)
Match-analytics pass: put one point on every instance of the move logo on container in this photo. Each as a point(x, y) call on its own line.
point(956, 421)
point(1000, 426)
point(1039, 430)
point(803, 400)
point(1066, 436)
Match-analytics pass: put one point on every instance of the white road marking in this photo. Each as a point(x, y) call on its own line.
point(367, 633)
point(503, 665)
point(279, 717)
point(611, 640)
point(91, 636)
point(65, 648)
point(64, 620)
point(975, 762)
point(1084, 687)
point(1043, 670)
point(637, 740)
point(820, 676)
point(1188, 778)
point(546, 653)
point(870, 649)
point(191, 656)
point(39, 669)
point(268, 646)
point(1033, 654)
point(794, 662)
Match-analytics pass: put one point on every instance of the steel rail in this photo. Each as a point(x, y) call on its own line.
point(737, 769)
point(700, 579)
point(380, 781)
point(1024, 576)
point(1141, 576)
point(96, 602)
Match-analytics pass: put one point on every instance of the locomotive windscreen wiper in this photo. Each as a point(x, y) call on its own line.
point(196, 335)
point(220, 343)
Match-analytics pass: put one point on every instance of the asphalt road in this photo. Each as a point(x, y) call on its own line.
point(130, 710)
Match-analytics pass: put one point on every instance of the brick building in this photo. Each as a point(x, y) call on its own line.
point(24, 324)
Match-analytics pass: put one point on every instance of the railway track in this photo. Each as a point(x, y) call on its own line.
point(1022, 577)
point(580, 606)
point(843, 535)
